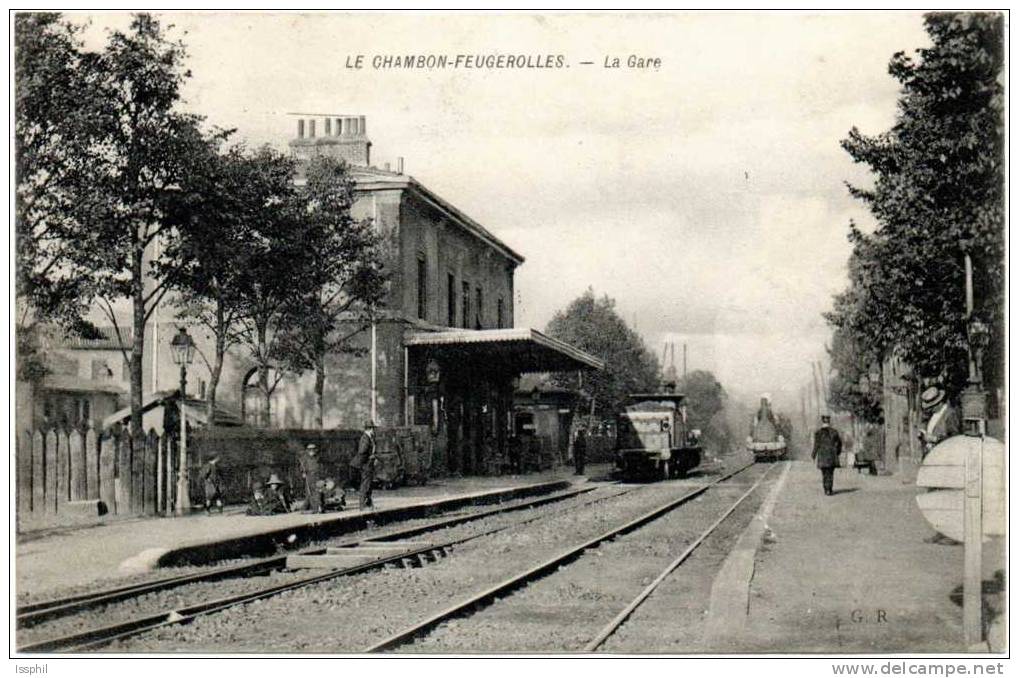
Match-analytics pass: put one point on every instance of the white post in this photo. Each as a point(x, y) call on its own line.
point(972, 621)
point(374, 394)
point(160, 490)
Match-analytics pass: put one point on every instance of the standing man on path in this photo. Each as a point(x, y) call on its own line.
point(827, 448)
point(580, 450)
point(309, 467)
point(212, 481)
point(366, 457)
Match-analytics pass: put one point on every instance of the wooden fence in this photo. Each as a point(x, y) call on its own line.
point(66, 475)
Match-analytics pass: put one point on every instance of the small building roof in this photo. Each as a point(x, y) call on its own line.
point(526, 349)
point(194, 409)
point(107, 339)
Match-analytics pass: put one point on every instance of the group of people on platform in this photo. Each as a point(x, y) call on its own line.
point(270, 496)
point(942, 421)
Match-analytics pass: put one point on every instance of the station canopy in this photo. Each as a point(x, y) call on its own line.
point(520, 349)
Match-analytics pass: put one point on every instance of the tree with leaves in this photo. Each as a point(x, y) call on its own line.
point(52, 170)
point(128, 155)
point(273, 275)
point(593, 325)
point(705, 403)
point(344, 274)
point(937, 195)
point(228, 197)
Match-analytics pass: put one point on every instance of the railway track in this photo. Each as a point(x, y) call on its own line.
point(92, 638)
point(507, 587)
point(34, 613)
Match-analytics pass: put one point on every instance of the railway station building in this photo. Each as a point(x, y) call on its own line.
point(447, 353)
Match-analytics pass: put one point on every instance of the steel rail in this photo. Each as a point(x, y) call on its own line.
point(618, 621)
point(517, 581)
point(97, 637)
point(35, 613)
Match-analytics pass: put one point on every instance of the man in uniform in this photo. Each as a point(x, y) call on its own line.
point(309, 467)
point(580, 450)
point(366, 459)
point(827, 448)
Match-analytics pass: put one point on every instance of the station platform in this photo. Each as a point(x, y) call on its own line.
point(856, 572)
point(59, 558)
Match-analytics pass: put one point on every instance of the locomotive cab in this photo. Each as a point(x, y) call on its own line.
point(653, 439)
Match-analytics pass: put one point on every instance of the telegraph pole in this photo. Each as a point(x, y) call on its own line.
point(817, 388)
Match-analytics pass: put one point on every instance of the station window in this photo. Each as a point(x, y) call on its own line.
point(466, 302)
point(451, 300)
point(422, 287)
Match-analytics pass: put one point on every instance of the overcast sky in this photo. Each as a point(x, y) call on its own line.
point(706, 197)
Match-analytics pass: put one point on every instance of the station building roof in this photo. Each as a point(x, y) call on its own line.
point(524, 349)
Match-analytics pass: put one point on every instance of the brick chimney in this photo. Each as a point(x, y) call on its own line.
point(344, 137)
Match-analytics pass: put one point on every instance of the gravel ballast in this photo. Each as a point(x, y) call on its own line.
point(184, 596)
point(351, 613)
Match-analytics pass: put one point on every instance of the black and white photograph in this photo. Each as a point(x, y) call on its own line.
point(509, 334)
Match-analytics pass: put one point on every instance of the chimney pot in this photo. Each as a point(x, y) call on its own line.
point(311, 128)
point(338, 126)
point(300, 129)
point(399, 165)
point(361, 125)
point(346, 127)
point(329, 127)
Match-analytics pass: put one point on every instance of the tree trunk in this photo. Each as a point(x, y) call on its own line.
point(217, 366)
point(137, 340)
point(263, 375)
point(320, 383)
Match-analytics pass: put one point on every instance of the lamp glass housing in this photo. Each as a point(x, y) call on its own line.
point(183, 348)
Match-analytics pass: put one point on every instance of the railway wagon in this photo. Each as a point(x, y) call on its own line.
point(653, 440)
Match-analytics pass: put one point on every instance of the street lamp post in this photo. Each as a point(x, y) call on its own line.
point(183, 353)
point(974, 398)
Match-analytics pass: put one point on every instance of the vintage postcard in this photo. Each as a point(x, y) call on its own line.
point(510, 333)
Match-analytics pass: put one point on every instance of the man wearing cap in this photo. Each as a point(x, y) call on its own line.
point(366, 458)
point(309, 468)
point(944, 420)
point(276, 496)
point(827, 448)
point(213, 484)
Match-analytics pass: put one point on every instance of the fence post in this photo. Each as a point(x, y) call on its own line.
point(24, 475)
point(161, 474)
point(137, 473)
point(63, 469)
point(123, 482)
point(76, 454)
point(91, 464)
point(150, 483)
point(107, 472)
point(51, 471)
point(38, 473)
point(166, 444)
